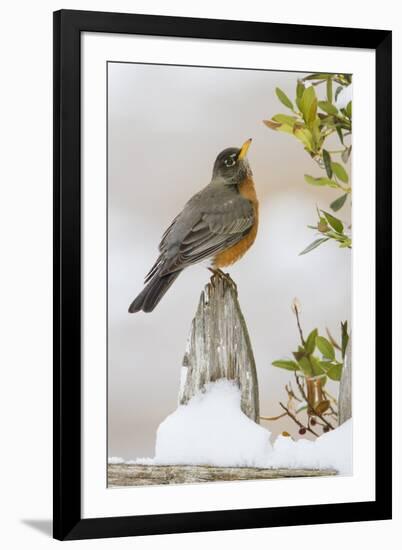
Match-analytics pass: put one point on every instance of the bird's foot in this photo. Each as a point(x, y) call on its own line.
point(222, 275)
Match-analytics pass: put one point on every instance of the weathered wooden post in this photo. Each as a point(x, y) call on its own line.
point(219, 346)
point(345, 387)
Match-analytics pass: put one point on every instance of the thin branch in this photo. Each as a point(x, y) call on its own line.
point(298, 325)
point(273, 417)
point(292, 416)
point(291, 393)
point(332, 340)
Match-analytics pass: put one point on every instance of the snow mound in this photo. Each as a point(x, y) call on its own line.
point(330, 450)
point(211, 429)
point(115, 460)
point(146, 461)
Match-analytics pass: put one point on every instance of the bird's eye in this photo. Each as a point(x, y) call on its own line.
point(230, 162)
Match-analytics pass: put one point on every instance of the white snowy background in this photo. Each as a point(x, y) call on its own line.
point(166, 126)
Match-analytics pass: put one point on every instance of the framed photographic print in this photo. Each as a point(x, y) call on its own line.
point(222, 268)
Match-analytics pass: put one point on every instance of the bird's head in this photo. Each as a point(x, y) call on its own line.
point(232, 165)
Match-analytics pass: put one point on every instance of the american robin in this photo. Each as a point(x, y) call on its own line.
point(219, 222)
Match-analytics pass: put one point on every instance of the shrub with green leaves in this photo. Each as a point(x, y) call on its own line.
point(316, 359)
point(329, 227)
point(312, 121)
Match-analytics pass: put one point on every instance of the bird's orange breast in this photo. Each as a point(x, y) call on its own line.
point(235, 252)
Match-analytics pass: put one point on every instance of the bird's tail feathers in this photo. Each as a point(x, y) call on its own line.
point(151, 295)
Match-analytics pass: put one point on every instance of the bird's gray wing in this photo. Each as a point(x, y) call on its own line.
point(200, 234)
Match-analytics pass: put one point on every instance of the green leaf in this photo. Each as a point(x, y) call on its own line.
point(338, 91)
point(285, 119)
point(345, 337)
point(349, 109)
point(304, 135)
point(318, 137)
point(288, 365)
point(300, 87)
point(316, 365)
point(340, 172)
point(338, 203)
point(334, 222)
point(305, 366)
point(325, 347)
point(346, 154)
point(283, 98)
point(335, 372)
point(286, 129)
point(314, 245)
point(325, 364)
point(329, 90)
point(327, 163)
point(310, 342)
point(328, 107)
point(319, 181)
point(308, 105)
point(340, 134)
point(327, 120)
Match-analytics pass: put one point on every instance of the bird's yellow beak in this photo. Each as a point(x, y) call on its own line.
point(244, 148)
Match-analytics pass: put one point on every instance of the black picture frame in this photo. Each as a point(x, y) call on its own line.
point(68, 26)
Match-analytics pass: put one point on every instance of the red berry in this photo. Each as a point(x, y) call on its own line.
point(302, 431)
